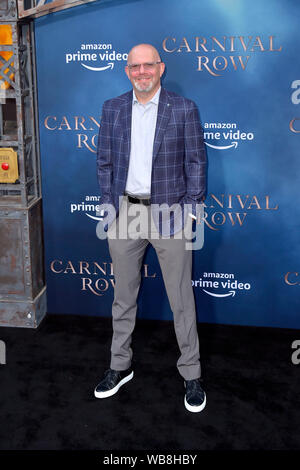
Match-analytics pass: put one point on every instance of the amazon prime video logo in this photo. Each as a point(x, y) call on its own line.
point(224, 135)
point(220, 285)
point(2, 352)
point(95, 57)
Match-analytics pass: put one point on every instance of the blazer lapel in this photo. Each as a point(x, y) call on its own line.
point(126, 114)
point(163, 117)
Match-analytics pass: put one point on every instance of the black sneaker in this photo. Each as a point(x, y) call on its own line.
point(195, 398)
point(112, 381)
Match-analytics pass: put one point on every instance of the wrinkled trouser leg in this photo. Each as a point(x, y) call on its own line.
point(176, 265)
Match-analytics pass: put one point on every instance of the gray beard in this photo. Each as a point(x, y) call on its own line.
point(139, 88)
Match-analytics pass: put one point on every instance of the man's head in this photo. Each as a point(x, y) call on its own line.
point(144, 69)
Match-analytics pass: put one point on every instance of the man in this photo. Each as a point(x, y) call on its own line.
point(151, 152)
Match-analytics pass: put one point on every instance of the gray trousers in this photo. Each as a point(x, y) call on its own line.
point(176, 266)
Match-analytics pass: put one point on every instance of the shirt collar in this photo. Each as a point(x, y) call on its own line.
point(154, 99)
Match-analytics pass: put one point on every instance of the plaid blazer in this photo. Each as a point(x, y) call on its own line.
point(179, 157)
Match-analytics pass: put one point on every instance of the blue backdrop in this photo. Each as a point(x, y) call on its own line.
point(238, 60)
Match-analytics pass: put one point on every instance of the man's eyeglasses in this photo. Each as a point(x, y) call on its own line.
point(147, 66)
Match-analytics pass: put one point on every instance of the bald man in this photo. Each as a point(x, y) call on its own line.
point(151, 158)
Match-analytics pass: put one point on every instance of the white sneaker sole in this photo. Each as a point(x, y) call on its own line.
point(195, 409)
point(114, 390)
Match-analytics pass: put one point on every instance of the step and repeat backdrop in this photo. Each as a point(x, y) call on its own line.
point(239, 61)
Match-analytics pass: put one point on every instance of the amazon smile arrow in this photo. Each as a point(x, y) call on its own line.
point(231, 292)
point(222, 147)
point(99, 69)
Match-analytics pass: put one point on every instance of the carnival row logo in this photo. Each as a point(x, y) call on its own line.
point(220, 285)
point(219, 210)
point(225, 135)
point(84, 124)
point(95, 276)
point(220, 53)
point(295, 99)
point(96, 57)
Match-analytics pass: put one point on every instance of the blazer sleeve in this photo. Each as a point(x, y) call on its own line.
point(104, 158)
point(195, 165)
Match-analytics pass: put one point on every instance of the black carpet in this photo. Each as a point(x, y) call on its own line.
point(47, 384)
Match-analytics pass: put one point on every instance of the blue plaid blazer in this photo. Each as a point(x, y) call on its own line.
point(179, 157)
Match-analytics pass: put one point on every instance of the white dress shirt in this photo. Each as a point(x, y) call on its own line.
point(143, 124)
